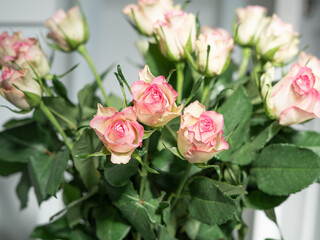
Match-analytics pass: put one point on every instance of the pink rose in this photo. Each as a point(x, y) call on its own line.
point(154, 99)
point(6, 46)
point(200, 136)
point(249, 19)
point(276, 41)
point(312, 62)
point(221, 44)
point(294, 99)
point(147, 12)
point(120, 132)
point(68, 30)
point(176, 34)
point(24, 81)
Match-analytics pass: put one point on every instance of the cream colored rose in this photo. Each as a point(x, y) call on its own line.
point(249, 19)
point(176, 34)
point(148, 12)
point(276, 41)
point(221, 44)
point(23, 79)
point(68, 30)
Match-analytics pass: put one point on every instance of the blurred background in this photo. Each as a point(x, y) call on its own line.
point(112, 41)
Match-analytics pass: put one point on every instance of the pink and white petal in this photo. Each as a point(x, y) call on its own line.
point(146, 75)
point(184, 145)
point(188, 120)
point(198, 156)
point(195, 109)
point(138, 88)
point(99, 124)
point(120, 158)
point(169, 92)
point(129, 114)
point(294, 115)
point(216, 117)
point(221, 144)
point(105, 111)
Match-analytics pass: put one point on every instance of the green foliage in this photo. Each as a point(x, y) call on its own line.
point(87, 168)
point(208, 203)
point(284, 169)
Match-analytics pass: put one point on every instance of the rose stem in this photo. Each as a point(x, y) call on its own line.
point(246, 53)
point(180, 68)
point(83, 51)
point(55, 123)
point(205, 90)
point(181, 185)
point(144, 172)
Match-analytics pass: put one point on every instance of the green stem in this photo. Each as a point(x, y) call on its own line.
point(83, 51)
point(181, 185)
point(246, 52)
point(46, 89)
point(206, 90)
point(180, 68)
point(144, 172)
point(55, 123)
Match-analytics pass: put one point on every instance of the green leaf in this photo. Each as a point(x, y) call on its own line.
point(123, 79)
point(200, 231)
point(87, 168)
point(195, 89)
point(60, 89)
point(158, 64)
point(118, 175)
point(174, 151)
point(39, 172)
point(65, 112)
point(7, 168)
point(285, 169)
point(133, 209)
point(58, 230)
point(228, 189)
point(149, 169)
point(259, 200)
point(306, 139)
point(248, 152)
point(19, 143)
point(59, 165)
point(236, 111)
point(68, 71)
point(23, 188)
point(110, 224)
point(208, 204)
point(148, 133)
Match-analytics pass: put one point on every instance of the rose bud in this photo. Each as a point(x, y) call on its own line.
point(276, 40)
point(28, 53)
point(154, 99)
point(200, 136)
point(6, 46)
point(221, 44)
point(294, 99)
point(68, 30)
point(249, 19)
point(176, 34)
point(146, 13)
point(120, 132)
point(24, 81)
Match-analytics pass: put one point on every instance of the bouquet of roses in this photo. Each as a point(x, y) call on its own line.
point(193, 142)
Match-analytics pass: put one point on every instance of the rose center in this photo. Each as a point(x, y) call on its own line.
point(119, 128)
point(156, 95)
point(207, 125)
point(304, 81)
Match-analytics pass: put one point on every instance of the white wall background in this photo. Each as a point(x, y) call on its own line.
point(113, 41)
